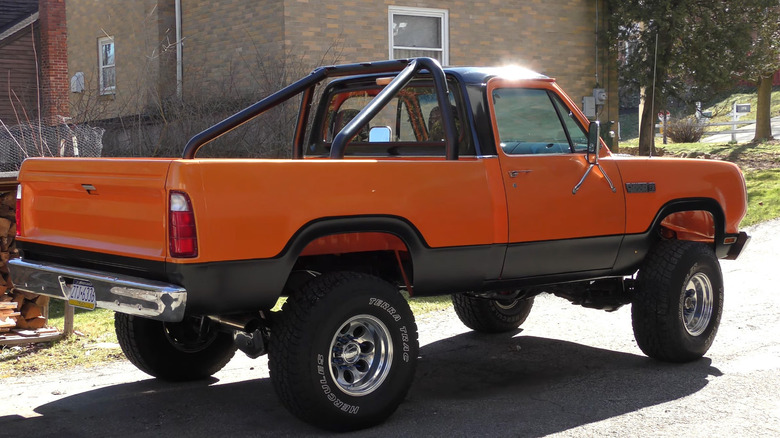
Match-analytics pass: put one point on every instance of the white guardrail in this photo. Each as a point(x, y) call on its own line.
point(737, 110)
point(731, 131)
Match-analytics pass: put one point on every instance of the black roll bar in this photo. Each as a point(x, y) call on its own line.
point(380, 100)
point(408, 68)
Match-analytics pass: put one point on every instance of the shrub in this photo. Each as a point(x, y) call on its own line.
point(687, 130)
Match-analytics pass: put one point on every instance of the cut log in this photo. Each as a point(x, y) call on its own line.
point(22, 323)
point(31, 310)
point(4, 298)
point(19, 300)
point(9, 199)
point(36, 323)
point(42, 301)
point(5, 226)
point(8, 322)
point(27, 295)
point(9, 305)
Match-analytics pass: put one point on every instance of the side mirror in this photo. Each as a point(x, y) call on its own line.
point(594, 141)
point(379, 134)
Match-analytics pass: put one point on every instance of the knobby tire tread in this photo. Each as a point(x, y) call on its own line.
point(289, 336)
point(657, 331)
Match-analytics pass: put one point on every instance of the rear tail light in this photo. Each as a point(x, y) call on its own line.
point(19, 210)
point(181, 227)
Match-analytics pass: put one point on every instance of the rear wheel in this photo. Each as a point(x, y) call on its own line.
point(189, 350)
point(343, 353)
point(488, 315)
point(679, 300)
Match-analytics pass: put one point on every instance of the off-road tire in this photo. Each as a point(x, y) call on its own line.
point(173, 351)
point(343, 353)
point(491, 316)
point(677, 281)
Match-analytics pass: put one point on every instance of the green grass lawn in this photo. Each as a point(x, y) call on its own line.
point(763, 188)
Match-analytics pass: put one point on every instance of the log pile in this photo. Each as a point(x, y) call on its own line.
point(21, 313)
point(22, 310)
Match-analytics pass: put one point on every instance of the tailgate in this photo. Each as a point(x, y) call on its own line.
point(110, 205)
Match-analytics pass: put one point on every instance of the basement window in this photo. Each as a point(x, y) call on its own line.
point(107, 65)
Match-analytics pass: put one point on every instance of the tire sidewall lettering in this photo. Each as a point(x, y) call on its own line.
point(333, 395)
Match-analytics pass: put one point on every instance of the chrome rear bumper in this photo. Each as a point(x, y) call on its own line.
point(120, 293)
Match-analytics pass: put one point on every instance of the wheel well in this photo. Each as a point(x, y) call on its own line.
point(382, 254)
point(698, 220)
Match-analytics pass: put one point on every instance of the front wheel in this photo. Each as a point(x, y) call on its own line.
point(343, 354)
point(679, 300)
point(189, 350)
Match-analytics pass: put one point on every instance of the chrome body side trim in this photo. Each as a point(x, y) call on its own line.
point(120, 293)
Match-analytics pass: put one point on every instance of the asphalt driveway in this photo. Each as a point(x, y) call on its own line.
point(569, 372)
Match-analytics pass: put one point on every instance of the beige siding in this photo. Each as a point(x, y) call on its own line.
point(232, 46)
point(225, 40)
point(143, 34)
point(554, 37)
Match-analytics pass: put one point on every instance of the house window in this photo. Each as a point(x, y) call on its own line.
point(107, 65)
point(416, 32)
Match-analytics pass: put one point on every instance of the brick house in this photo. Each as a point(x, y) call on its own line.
point(123, 55)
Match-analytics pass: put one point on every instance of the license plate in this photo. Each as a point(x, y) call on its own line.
point(82, 295)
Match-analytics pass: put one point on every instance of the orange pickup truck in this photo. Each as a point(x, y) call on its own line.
point(488, 184)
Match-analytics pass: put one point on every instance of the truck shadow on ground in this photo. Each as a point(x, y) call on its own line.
point(470, 384)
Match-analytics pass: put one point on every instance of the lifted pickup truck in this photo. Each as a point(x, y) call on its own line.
point(486, 184)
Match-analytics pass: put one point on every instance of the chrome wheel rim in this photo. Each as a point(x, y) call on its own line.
point(698, 302)
point(361, 355)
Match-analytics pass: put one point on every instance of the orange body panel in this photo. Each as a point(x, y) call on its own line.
point(125, 215)
point(680, 179)
point(247, 209)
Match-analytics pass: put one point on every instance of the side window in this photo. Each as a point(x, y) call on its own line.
point(413, 118)
point(578, 136)
point(529, 122)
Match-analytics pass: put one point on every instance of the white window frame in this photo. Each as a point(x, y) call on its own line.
point(443, 14)
point(102, 42)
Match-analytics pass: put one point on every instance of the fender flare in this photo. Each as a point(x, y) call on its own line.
point(323, 227)
point(635, 247)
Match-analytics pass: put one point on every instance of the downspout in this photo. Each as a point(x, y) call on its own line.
point(179, 46)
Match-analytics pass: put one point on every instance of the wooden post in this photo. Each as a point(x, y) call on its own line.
point(68, 329)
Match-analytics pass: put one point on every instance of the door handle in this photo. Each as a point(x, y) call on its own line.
point(514, 173)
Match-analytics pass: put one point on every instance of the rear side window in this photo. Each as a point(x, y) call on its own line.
point(413, 119)
point(535, 121)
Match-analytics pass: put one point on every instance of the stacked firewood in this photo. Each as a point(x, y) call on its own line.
point(19, 310)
